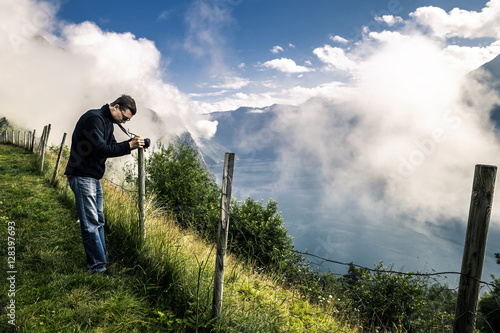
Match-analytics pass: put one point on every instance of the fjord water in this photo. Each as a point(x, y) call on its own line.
point(341, 234)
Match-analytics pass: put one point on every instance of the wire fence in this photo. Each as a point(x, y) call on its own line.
point(376, 299)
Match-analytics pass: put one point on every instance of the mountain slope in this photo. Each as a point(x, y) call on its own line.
point(250, 132)
point(483, 85)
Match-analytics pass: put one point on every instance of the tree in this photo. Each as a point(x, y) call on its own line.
point(489, 309)
point(183, 186)
point(258, 231)
point(5, 125)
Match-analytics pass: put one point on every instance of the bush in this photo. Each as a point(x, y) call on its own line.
point(258, 231)
point(489, 309)
point(394, 300)
point(183, 186)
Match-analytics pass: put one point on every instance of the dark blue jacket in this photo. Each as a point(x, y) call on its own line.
point(92, 143)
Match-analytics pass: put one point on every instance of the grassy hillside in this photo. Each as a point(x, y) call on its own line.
point(53, 292)
point(165, 286)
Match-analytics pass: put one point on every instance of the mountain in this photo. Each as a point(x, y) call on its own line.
point(213, 152)
point(493, 69)
point(248, 132)
point(488, 75)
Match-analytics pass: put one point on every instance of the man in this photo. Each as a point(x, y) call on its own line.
point(92, 143)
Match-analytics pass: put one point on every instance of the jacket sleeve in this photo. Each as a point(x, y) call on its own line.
point(95, 133)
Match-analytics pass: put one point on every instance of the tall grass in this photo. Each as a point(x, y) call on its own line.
point(178, 267)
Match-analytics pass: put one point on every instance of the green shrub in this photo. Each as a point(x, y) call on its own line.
point(489, 309)
point(394, 300)
point(183, 186)
point(258, 231)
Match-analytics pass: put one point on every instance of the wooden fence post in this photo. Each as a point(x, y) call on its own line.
point(39, 148)
point(33, 140)
point(142, 196)
point(227, 182)
point(58, 159)
point(43, 144)
point(475, 248)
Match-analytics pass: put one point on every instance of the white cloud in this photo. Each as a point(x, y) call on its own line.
point(70, 68)
point(207, 33)
point(276, 49)
point(385, 36)
point(209, 94)
point(461, 23)
point(335, 58)
point(295, 95)
point(338, 39)
point(240, 99)
point(163, 15)
point(231, 82)
point(390, 20)
point(469, 57)
point(405, 141)
point(286, 65)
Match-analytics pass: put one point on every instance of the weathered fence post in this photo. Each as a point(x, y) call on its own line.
point(39, 149)
point(43, 144)
point(33, 140)
point(58, 159)
point(475, 248)
point(227, 181)
point(142, 196)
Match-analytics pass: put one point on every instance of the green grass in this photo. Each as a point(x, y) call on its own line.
point(165, 286)
point(54, 293)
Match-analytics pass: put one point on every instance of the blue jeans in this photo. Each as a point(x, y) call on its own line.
point(88, 198)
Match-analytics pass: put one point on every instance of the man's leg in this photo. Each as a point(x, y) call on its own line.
point(100, 214)
point(88, 199)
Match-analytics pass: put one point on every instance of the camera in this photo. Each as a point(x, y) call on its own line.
point(147, 141)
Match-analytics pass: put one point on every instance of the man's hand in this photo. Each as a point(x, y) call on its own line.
point(136, 142)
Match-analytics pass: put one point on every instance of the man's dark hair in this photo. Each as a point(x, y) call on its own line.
point(125, 102)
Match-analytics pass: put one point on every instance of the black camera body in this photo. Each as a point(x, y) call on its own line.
point(147, 141)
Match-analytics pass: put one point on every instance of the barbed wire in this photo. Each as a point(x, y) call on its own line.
point(259, 245)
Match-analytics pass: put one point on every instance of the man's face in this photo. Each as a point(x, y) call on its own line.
point(121, 117)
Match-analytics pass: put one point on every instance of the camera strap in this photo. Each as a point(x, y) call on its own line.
point(129, 134)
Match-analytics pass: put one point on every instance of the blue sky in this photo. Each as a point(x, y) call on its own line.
point(215, 49)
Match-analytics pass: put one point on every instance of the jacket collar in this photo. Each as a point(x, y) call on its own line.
point(107, 113)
